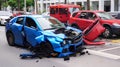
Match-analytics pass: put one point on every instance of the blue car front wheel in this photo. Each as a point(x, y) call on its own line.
point(45, 49)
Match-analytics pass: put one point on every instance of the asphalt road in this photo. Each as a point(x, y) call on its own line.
point(107, 55)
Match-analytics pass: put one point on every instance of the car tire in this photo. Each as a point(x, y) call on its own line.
point(46, 49)
point(0, 24)
point(108, 33)
point(10, 38)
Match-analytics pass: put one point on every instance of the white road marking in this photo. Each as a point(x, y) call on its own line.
point(110, 48)
point(103, 54)
point(2, 30)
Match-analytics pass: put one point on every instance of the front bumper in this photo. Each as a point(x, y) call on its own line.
point(70, 49)
point(116, 30)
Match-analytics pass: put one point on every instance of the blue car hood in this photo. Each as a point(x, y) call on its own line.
point(49, 34)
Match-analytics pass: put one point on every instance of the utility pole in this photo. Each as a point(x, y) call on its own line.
point(36, 6)
point(65, 1)
point(25, 6)
point(0, 4)
point(88, 4)
point(18, 5)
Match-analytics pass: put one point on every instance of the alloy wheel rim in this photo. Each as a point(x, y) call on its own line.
point(106, 33)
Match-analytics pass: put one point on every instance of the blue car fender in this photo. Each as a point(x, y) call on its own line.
point(40, 39)
point(54, 39)
point(56, 43)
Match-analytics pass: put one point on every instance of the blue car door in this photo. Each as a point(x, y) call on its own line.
point(31, 31)
point(17, 30)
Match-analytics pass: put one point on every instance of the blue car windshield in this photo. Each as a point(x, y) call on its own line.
point(48, 23)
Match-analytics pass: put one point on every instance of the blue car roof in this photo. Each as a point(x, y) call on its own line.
point(33, 16)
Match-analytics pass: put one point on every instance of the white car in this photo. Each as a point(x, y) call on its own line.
point(46, 14)
point(3, 16)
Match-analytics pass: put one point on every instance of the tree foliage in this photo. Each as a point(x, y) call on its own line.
point(20, 3)
point(12, 3)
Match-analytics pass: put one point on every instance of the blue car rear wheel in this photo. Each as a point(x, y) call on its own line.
point(10, 38)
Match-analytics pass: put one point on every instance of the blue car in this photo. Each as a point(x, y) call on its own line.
point(43, 34)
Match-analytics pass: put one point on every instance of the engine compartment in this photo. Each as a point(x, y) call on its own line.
point(70, 34)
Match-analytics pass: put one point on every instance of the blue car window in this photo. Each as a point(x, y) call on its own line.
point(20, 20)
point(30, 23)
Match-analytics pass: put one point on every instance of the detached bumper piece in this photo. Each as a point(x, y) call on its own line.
point(65, 55)
point(27, 55)
point(31, 55)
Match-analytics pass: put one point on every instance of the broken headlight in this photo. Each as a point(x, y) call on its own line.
point(66, 41)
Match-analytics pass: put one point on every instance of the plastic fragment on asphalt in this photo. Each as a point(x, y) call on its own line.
point(37, 61)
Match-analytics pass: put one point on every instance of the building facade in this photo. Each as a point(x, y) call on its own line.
point(104, 5)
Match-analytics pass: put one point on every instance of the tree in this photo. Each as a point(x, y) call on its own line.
point(12, 3)
point(0, 4)
point(29, 3)
point(3, 3)
point(19, 4)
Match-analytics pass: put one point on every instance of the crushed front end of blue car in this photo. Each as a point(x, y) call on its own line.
point(65, 41)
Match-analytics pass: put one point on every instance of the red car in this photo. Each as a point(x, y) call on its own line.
point(83, 19)
point(63, 11)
